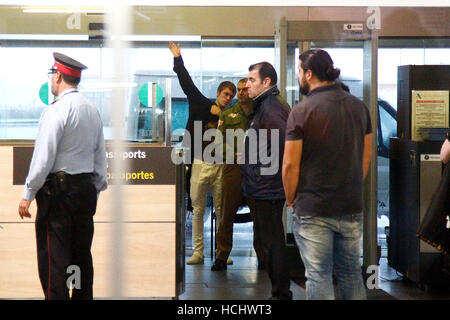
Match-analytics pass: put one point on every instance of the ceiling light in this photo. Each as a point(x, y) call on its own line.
point(65, 9)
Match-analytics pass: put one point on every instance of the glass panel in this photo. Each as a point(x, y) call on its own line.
point(225, 60)
point(295, 87)
point(144, 71)
point(388, 126)
point(229, 64)
point(24, 85)
point(23, 98)
point(348, 60)
point(437, 56)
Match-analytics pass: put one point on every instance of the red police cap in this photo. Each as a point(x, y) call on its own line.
point(67, 65)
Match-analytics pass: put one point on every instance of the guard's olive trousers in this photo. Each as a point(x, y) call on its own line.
point(231, 199)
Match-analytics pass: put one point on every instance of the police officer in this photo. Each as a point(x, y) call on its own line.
point(234, 121)
point(67, 171)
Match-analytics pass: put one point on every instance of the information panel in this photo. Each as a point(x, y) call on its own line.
point(430, 109)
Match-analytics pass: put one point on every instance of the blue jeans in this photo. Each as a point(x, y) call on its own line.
point(330, 244)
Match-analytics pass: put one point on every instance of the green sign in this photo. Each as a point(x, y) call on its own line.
point(43, 93)
point(143, 95)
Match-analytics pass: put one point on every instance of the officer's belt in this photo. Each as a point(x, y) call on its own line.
point(71, 178)
point(61, 182)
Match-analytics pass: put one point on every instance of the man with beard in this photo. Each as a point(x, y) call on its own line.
point(327, 156)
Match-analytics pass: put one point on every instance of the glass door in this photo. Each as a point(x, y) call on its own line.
point(226, 59)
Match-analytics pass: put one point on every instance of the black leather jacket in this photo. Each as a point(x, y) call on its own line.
point(270, 112)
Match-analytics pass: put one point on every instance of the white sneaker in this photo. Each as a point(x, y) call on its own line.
point(229, 261)
point(195, 259)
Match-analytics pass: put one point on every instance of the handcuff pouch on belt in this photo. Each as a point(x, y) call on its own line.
point(55, 185)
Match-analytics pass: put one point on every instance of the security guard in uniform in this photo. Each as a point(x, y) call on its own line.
point(233, 119)
point(67, 172)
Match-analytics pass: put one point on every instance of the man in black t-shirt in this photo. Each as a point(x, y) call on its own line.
point(327, 155)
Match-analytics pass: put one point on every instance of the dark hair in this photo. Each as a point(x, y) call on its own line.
point(226, 84)
point(265, 70)
point(320, 64)
point(70, 79)
point(344, 87)
point(243, 80)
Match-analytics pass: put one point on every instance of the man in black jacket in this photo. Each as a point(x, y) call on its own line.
point(202, 175)
point(262, 181)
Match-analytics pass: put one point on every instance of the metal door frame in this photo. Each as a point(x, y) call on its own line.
point(303, 32)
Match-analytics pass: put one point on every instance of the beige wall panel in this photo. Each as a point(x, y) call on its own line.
point(10, 195)
point(347, 14)
point(206, 21)
point(18, 262)
point(395, 22)
point(140, 202)
point(148, 260)
point(14, 21)
point(216, 21)
point(233, 21)
point(413, 22)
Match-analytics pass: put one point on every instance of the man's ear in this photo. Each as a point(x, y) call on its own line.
point(58, 77)
point(308, 74)
point(266, 82)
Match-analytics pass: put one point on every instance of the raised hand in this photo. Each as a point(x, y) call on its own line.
point(175, 49)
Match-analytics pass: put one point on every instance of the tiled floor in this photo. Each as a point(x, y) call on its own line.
point(393, 283)
point(242, 281)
